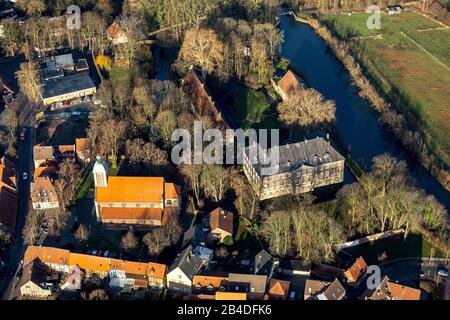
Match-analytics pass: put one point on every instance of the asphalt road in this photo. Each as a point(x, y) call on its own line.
point(25, 164)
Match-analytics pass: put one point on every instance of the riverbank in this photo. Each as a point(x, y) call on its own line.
point(414, 143)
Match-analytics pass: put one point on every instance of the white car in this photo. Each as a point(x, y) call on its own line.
point(443, 273)
point(24, 176)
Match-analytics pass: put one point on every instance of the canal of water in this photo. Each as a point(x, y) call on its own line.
point(357, 126)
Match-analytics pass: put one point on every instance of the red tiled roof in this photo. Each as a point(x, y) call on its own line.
point(221, 219)
point(132, 189)
point(132, 213)
point(290, 83)
point(356, 270)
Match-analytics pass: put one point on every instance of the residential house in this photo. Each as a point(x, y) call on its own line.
point(355, 272)
point(253, 285)
point(335, 291)
point(56, 259)
point(63, 152)
point(73, 280)
point(203, 253)
point(388, 290)
point(264, 264)
point(34, 281)
point(221, 225)
point(278, 289)
point(140, 202)
point(43, 194)
point(83, 149)
point(289, 85)
point(43, 156)
point(116, 34)
point(8, 194)
point(182, 271)
point(302, 167)
point(204, 106)
point(125, 273)
point(313, 288)
point(209, 284)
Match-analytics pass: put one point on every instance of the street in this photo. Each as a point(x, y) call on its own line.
point(26, 119)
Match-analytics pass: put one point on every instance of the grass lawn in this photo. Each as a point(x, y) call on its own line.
point(400, 67)
point(249, 107)
point(119, 73)
point(87, 185)
point(413, 246)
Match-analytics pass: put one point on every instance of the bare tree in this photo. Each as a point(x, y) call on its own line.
point(12, 37)
point(160, 238)
point(28, 78)
point(192, 173)
point(215, 181)
point(56, 220)
point(247, 198)
point(82, 233)
point(129, 241)
point(201, 48)
point(277, 232)
point(165, 123)
point(306, 108)
point(111, 137)
point(70, 173)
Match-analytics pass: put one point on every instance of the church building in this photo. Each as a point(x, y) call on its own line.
point(138, 202)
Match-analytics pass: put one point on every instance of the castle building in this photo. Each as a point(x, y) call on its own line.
point(138, 202)
point(303, 167)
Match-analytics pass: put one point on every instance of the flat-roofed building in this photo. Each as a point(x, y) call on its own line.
point(302, 167)
point(68, 88)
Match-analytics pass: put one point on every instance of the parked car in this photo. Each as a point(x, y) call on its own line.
point(292, 295)
point(23, 134)
point(443, 273)
point(24, 176)
point(106, 254)
point(100, 253)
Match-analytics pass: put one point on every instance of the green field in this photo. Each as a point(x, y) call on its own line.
point(420, 84)
point(251, 109)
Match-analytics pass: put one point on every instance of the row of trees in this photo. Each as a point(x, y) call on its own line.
point(304, 231)
point(387, 199)
point(383, 199)
point(234, 47)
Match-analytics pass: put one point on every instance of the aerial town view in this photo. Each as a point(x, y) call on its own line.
point(260, 150)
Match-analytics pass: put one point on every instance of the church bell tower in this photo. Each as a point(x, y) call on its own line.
point(100, 173)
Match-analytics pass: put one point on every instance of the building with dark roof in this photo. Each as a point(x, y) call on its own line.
point(8, 194)
point(182, 271)
point(264, 264)
point(252, 284)
point(302, 167)
point(68, 88)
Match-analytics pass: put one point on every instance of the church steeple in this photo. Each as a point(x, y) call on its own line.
point(100, 173)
